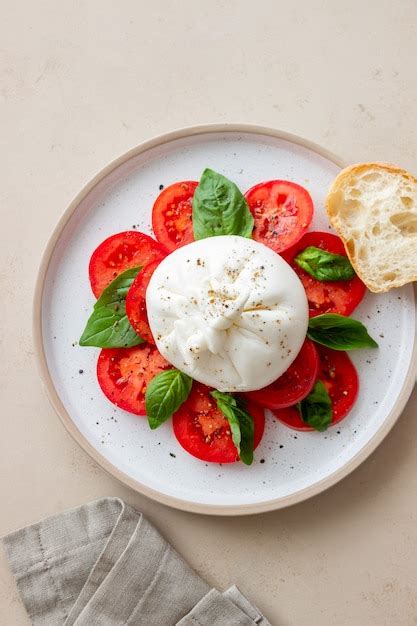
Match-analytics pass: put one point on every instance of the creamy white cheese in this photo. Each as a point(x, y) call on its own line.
point(228, 311)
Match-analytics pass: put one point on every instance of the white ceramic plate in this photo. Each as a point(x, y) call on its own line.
point(296, 465)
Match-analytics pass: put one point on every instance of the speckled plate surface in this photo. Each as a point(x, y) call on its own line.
point(296, 465)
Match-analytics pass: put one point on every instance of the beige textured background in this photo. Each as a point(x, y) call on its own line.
point(80, 83)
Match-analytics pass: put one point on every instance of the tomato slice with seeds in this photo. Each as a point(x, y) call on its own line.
point(290, 416)
point(341, 296)
point(340, 378)
point(282, 211)
point(294, 385)
point(172, 215)
point(203, 431)
point(136, 302)
point(119, 253)
point(124, 373)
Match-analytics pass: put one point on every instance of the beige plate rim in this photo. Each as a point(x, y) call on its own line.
point(52, 394)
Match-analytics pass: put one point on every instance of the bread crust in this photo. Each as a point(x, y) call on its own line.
point(338, 185)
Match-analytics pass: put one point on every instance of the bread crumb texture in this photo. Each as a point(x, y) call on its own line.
point(373, 208)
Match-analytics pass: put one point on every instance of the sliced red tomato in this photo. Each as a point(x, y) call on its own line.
point(136, 302)
point(294, 385)
point(340, 378)
point(282, 211)
point(172, 215)
point(290, 416)
point(124, 373)
point(203, 431)
point(341, 296)
point(118, 253)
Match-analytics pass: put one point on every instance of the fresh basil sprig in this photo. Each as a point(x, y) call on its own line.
point(108, 325)
point(316, 409)
point(240, 422)
point(165, 394)
point(219, 208)
point(323, 265)
point(339, 332)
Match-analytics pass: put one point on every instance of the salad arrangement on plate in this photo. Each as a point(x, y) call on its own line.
point(235, 307)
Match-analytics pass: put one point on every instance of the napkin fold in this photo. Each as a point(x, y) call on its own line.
point(104, 564)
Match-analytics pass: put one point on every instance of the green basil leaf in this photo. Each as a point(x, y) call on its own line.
point(324, 265)
point(228, 406)
point(219, 208)
point(165, 394)
point(241, 424)
point(108, 325)
point(339, 332)
point(316, 409)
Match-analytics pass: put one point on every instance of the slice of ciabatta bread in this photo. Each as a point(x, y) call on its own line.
point(373, 208)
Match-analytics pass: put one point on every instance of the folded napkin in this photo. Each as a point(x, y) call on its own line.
point(104, 564)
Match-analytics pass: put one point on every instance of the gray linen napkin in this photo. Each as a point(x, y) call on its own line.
point(104, 564)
